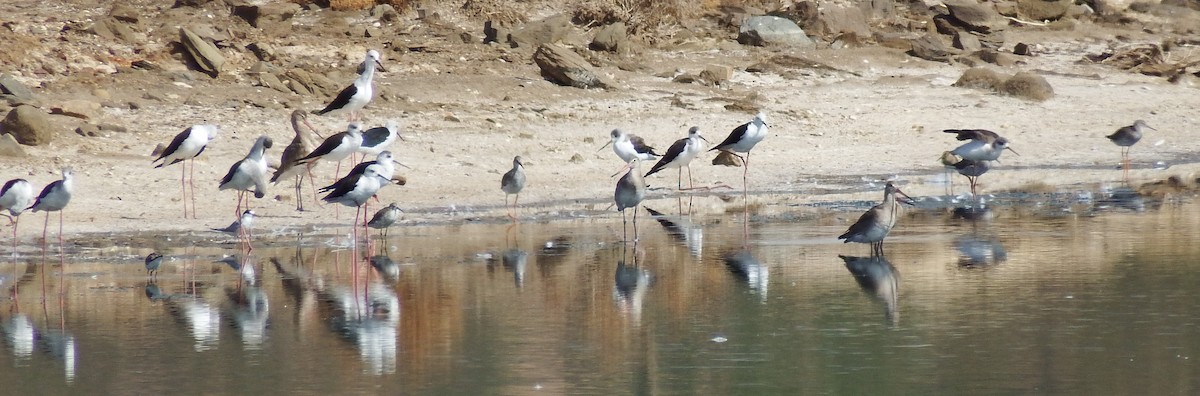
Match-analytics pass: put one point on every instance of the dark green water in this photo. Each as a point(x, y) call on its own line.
point(1021, 304)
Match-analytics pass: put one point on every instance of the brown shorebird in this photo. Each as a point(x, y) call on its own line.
point(513, 182)
point(972, 170)
point(300, 147)
point(680, 155)
point(1126, 137)
point(984, 145)
point(631, 189)
point(875, 224)
point(629, 146)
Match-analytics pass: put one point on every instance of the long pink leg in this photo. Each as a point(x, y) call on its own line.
point(192, 182)
point(183, 185)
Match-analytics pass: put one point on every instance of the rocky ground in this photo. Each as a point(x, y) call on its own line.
point(862, 96)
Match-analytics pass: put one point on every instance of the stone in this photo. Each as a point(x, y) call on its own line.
point(191, 3)
point(274, 18)
point(564, 67)
point(716, 74)
point(1043, 10)
point(78, 108)
point(271, 81)
point(980, 78)
point(1029, 86)
point(685, 78)
point(11, 88)
point(772, 30)
point(974, 16)
point(264, 52)
point(998, 58)
point(124, 13)
point(10, 148)
point(835, 20)
point(112, 128)
point(494, 32)
point(930, 47)
point(966, 41)
point(371, 31)
point(88, 130)
point(29, 125)
point(206, 56)
point(727, 159)
point(612, 38)
point(546, 31)
point(1022, 49)
point(385, 13)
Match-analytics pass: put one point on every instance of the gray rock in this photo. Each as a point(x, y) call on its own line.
point(565, 67)
point(113, 128)
point(771, 30)
point(262, 51)
point(10, 148)
point(612, 38)
point(78, 108)
point(29, 125)
point(10, 87)
point(1029, 86)
point(998, 58)
point(88, 130)
point(966, 41)
point(124, 13)
point(716, 74)
point(494, 32)
point(931, 47)
point(835, 20)
point(974, 16)
point(274, 18)
point(545, 31)
point(269, 80)
point(1043, 10)
point(385, 13)
point(206, 56)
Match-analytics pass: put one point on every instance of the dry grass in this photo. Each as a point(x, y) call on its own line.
point(351, 5)
point(507, 13)
point(640, 16)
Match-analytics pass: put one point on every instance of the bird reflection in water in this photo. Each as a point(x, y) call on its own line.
point(369, 322)
point(630, 284)
point(386, 268)
point(748, 269)
point(249, 308)
point(1122, 198)
point(879, 278)
point(682, 230)
point(19, 335)
point(977, 251)
point(244, 265)
point(153, 292)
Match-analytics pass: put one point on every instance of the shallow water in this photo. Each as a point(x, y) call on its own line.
point(1095, 303)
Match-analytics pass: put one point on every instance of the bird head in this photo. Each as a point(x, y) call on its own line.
point(374, 57)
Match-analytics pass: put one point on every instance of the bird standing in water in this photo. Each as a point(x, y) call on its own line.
point(873, 226)
point(680, 155)
point(512, 183)
point(631, 189)
point(1126, 137)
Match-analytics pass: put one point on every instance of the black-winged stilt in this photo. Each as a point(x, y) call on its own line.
point(249, 172)
point(680, 155)
point(186, 146)
point(356, 96)
point(629, 146)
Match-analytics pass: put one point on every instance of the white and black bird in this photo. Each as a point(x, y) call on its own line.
point(629, 146)
point(378, 139)
point(153, 261)
point(680, 155)
point(301, 146)
point(354, 190)
point(512, 183)
point(337, 147)
point(384, 165)
point(249, 172)
point(984, 145)
point(241, 228)
point(630, 191)
point(385, 218)
point(187, 145)
point(54, 198)
point(16, 197)
point(356, 96)
point(743, 139)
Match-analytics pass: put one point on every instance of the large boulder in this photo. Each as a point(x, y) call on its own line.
point(773, 30)
point(273, 18)
point(612, 38)
point(206, 56)
point(564, 67)
point(974, 16)
point(1043, 10)
point(835, 20)
point(545, 31)
point(14, 91)
point(29, 125)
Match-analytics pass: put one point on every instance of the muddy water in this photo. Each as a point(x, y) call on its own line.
point(1065, 302)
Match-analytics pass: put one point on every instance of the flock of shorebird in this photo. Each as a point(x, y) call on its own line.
point(251, 174)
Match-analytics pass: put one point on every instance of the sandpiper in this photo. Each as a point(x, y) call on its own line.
point(1126, 137)
point(512, 183)
point(984, 145)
